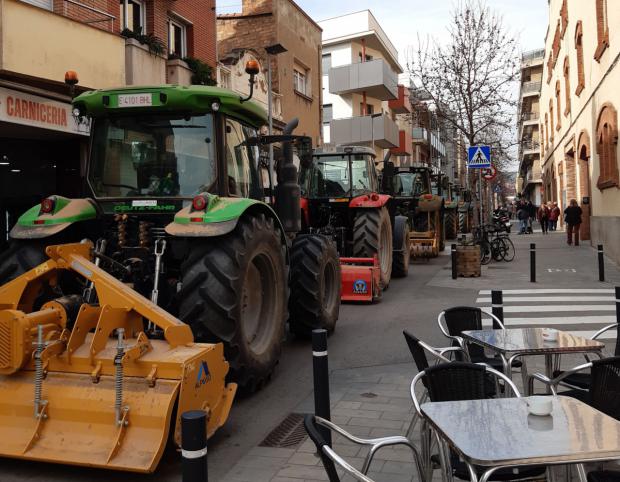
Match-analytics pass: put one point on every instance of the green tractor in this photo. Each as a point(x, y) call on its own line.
point(183, 210)
point(444, 188)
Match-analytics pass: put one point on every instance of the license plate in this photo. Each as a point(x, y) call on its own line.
point(135, 100)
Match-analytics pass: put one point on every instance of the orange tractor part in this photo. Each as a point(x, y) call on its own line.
point(360, 279)
point(82, 384)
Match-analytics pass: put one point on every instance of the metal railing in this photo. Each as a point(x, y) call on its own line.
point(533, 54)
point(529, 116)
point(533, 86)
point(529, 145)
point(419, 134)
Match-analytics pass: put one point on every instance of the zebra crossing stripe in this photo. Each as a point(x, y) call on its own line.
point(508, 299)
point(553, 308)
point(546, 291)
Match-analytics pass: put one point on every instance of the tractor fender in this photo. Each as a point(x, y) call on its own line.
point(373, 200)
point(34, 224)
point(400, 223)
point(219, 218)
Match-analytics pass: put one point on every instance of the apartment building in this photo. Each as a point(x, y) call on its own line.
point(43, 147)
point(281, 33)
point(360, 78)
point(579, 101)
point(529, 185)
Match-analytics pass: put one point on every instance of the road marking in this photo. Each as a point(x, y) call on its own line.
point(507, 299)
point(558, 320)
point(552, 308)
point(546, 291)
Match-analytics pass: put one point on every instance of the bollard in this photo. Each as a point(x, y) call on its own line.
point(617, 305)
point(320, 371)
point(194, 446)
point(601, 263)
point(497, 306)
point(453, 253)
point(533, 262)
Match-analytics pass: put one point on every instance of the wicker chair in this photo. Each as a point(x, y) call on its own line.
point(461, 381)
point(331, 459)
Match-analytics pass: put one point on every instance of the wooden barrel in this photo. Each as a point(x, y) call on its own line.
point(468, 261)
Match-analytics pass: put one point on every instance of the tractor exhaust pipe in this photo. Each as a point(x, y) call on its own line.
point(288, 193)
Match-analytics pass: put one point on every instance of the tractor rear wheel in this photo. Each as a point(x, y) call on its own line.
point(19, 257)
point(315, 285)
point(235, 291)
point(372, 234)
point(402, 253)
point(451, 220)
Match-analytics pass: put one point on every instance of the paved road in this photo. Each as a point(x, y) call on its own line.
point(371, 336)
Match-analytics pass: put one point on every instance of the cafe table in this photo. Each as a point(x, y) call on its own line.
point(512, 343)
point(499, 433)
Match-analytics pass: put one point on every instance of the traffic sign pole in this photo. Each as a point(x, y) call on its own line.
point(480, 195)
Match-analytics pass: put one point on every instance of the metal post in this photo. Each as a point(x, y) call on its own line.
point(601, 263)
point(270, 122)
point(497, 306)
point(321, 380)
point(453, 253)
point(533, 262)
point(480, 221)
point(194, 446)
point(618, 304)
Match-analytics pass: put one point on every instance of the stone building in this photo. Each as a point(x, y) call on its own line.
point(296, 73)
point(579, 102)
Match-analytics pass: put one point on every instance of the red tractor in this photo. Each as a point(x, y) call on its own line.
point(341, 200)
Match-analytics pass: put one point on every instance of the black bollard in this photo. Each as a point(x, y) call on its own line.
point(497, 307)
point(194, 446)
point(453, 253)
point(618, 304)
point(601, 263)
point(533, 262)
point(320, 371)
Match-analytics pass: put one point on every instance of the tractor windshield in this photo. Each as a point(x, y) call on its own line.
point(331, 176)
point(153, 156)
point(409, 184)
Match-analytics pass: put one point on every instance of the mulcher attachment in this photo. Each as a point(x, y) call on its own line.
point(82, 384)
point(425, 244)
point(360, 279)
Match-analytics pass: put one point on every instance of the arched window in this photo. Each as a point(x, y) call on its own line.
point(564, 16)
point(566, 86)
point(551, 121)
point(542, 140)
point(602, 28)
point(558, 105)
point(546, 129)
point(606, 147)
point(581, 82)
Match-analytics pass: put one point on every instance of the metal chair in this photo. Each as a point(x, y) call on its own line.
point(583, 380)
point(331, 459)
point(460, 381)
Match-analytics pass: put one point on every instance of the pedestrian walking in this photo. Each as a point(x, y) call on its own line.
point(553, 216)
point(543, 217)
point(522, 216)
point(572, 218)
point(531, 215)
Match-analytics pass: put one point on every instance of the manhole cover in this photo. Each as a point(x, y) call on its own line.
point(289, 433)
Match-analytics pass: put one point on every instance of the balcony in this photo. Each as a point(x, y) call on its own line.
point(401, 105)
point(419, 135)
point(404, 148)
point(377, 129)
point(38, 43)
point(531, 88)
point(529, 147)
point(141, 66)
point(376, 78)
point(529, 116)
point(532, 57)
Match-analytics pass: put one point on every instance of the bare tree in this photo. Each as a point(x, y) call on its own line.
point(471, 79)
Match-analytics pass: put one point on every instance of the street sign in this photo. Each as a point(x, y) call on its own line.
point(490, 173)
point(497, 189)
point(478, 157)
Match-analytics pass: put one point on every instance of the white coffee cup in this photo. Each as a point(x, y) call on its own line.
point(539, 405)
point(549, 334)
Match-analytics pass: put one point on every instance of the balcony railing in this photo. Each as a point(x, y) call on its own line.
point(419, 134)
point(530, 116)
point(375, 77)
point(380, 130)
point(529, 145)
point(533, 86)
point(533, 54)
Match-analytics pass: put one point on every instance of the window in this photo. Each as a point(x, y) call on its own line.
point(602, 28)
point(546, 129)
point(558, 105)
point(564, 16)
point(328, 113)
point(300, 81)
point(542, 141)
point(606, 147)
point(367, 59)
point(46, 4)
point(132, 15)
point(327, 63)
point(241, 161)
point(551, 120)
point(370, 109)
point(177, 42)
point(566, 86)
point(581, 83)
point(225, 79)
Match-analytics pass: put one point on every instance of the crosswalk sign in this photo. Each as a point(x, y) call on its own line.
point(478, 157)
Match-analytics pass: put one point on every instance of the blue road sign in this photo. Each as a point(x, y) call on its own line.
point(478, 157)
point(497, 189)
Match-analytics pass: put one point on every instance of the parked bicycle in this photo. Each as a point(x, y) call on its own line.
point(493, 244)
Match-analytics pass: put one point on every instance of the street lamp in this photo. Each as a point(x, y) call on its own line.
point(272, 50)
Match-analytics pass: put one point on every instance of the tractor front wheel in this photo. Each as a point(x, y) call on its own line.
point(235, 291)
point(315, 285)
point(372, 234)
point(451, 220)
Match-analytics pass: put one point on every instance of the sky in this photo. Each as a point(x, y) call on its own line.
point(404, 20)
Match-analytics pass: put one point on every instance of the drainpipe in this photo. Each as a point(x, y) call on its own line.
point(364, 106)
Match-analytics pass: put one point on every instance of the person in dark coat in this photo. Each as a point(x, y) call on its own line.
point(572, 218)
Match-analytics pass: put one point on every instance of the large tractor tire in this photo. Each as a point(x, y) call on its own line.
point(372, 234)
point(19, 257)
point(315, 285)
point(402, 253)
point(438, 226)
point(452, 221)
point(235, 290)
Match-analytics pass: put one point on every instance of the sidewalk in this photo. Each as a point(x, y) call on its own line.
point(374, 401)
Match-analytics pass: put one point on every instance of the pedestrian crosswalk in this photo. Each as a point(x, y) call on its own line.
point(581, 311)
